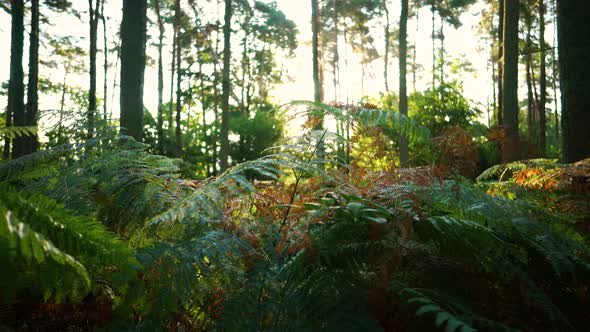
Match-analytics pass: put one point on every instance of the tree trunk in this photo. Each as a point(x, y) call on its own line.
point(510, 146)
point(414, 53)
point(116, 73)
point(433, 10)
point(555, 74)
point(493, 67)
point(93, 9)
point(216, 126)
point(500, 62)
point(177, 131)
point(106, 63)
point(317, 96)
point(133, 40)
point(403, 95)
point(530, 101)
point(386, 57)
point(16, 88)
point(32, 107)
point(543, 82)
point(529, 80)
point(336, 63)
point(441, 53)
point(160, 125)
point(226, 86)
point(172, 76)
point(574, 70)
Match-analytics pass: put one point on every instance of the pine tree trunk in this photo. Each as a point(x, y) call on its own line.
point(172, 76)
point(555, 74)
point(500, 62)
point(105, 64)
point(432, 9)
point(178, 131)
point(226, 86)
point(530, 101)
point(93, 8)
point(403, 94)
point(493, 67)
point(133, 41)
point(160, 125)
point(529, 80)
point(574, 70)
point(386, 57)
point(215, 155)
point(16, 88)
point(32, 107)
point(317, 96)
point(510, 146)
point(543, 82)
point(336, 60)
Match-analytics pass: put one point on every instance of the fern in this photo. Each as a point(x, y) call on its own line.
point(369, 117)
point(501, 169)
point(32, 263)
point(46, 229)
point(13, 132)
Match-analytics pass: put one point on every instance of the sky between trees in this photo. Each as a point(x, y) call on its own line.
point(461, 43)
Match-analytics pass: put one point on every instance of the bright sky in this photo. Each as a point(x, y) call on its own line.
point(462, 42)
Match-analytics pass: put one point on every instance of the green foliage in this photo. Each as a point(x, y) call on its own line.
point(259, 131)
point(12, 132)
point(51, 252)
point(443, 106)
point(309, 248)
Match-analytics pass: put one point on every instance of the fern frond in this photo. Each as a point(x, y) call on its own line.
point(31, 262)
point(17, 131)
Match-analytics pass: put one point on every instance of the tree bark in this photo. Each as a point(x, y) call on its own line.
point(386, 57)
point(226, 86)
point(574, 70)
point(178, 131)
point(433, 10)
point(500, 62)
point(510, 146)
point(160, 125)
point(32, 106)
point(93, 10)
point(543, 82)
point(403, 95)
point(172, 76)
point(531, 124)
point(336, 60)
point(317, 95)
point(555, 74)
point(105, 64)
point(133, 40)
point(16, 88)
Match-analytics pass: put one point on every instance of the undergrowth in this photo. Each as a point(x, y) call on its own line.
point(106, 235)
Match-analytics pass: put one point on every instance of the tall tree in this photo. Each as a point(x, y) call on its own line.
point(532, 115)
point(160, 124)
point(226, 86)
point(543, 82)
point(574, 70)
point(16, 89)
point(403, 94)
point(133, 40)
point(106, 62)
point(315, 26)
point(32, 106)
point(93, 11)
point(387, 37)
point(500, 61)
point(510, 146)
point(177, 131)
